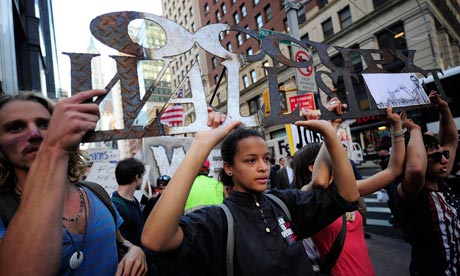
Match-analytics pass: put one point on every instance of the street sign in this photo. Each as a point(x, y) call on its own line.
point(303, 56)
point(305, 101)
point(263, 33)
point(305, 77)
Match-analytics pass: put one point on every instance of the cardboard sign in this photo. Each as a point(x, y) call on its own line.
point(104, 175)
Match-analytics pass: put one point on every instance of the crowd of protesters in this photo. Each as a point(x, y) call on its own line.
point(53, 223)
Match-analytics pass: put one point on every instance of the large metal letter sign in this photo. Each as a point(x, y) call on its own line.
point(112, 30)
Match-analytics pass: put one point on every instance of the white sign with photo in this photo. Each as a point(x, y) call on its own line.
point(396, 90)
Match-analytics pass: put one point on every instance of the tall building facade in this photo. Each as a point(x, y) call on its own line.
point(28, 58)
point(428, 27)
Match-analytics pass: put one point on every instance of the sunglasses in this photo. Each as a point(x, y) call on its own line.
point(164, 178)
point(437, 156)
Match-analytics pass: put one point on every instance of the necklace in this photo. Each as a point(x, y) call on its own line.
point(78, 257)
point(80, 212)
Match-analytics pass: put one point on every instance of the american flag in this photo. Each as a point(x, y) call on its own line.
point(173, 114)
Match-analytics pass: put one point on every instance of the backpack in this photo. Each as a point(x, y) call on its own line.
point(320, 269)
point(102, 194)
point(9, 203)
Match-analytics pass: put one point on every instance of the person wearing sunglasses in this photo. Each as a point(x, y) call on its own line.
point(429, 209)
point(162, 182)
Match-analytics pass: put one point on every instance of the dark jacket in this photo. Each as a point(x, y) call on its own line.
point(266, 241)
point(282, 180)
point(273, 170)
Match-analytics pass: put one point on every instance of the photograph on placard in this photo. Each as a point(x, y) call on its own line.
point(396, 90)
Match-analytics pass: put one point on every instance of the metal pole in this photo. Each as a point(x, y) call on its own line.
point(291, 7)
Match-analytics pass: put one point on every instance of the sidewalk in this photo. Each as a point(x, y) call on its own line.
point(389, 256)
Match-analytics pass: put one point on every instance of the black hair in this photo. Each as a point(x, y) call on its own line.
point(302, 159)
point(430, 142)
point(127, 170)
point(229, 148)
point(163, 180)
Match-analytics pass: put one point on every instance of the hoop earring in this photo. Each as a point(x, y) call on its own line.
point(229, 174)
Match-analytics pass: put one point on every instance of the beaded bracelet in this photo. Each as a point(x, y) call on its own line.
point(398, 133)
point(396, 141)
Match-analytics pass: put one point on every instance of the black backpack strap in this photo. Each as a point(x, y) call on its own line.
point(124, 206)
point(9, 204)
point(231, 233)
point(230, 238)
point(102, 194)
point(331, 257)
point(280, 203)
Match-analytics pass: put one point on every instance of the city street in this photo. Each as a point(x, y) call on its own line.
point(389, 256)
point(389, 253)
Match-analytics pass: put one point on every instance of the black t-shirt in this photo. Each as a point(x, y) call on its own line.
point(133, 223)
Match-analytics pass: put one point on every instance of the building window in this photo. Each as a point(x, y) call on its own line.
point(322, 3)
point(260, 21)
point(391, 38)
point(236, 18)
point(249, 52)
point(247, 35)
point(265, 65)
point(191, 11)
point(268, 12)
point(378, 3)
point(256, 2)
point(218, 16)
point(193, 26)
point(224, 9)
point(243, 10)
point(328, 31)
point(214, 62)
point(304, 37)
point(254, 105)
point(345, 17)
point(216, 78)
point(221, 36)
point(253, 76)
point(245, 81)
point(301, 16)
point(229, 46)
point(240, 39)
point(206, 8)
